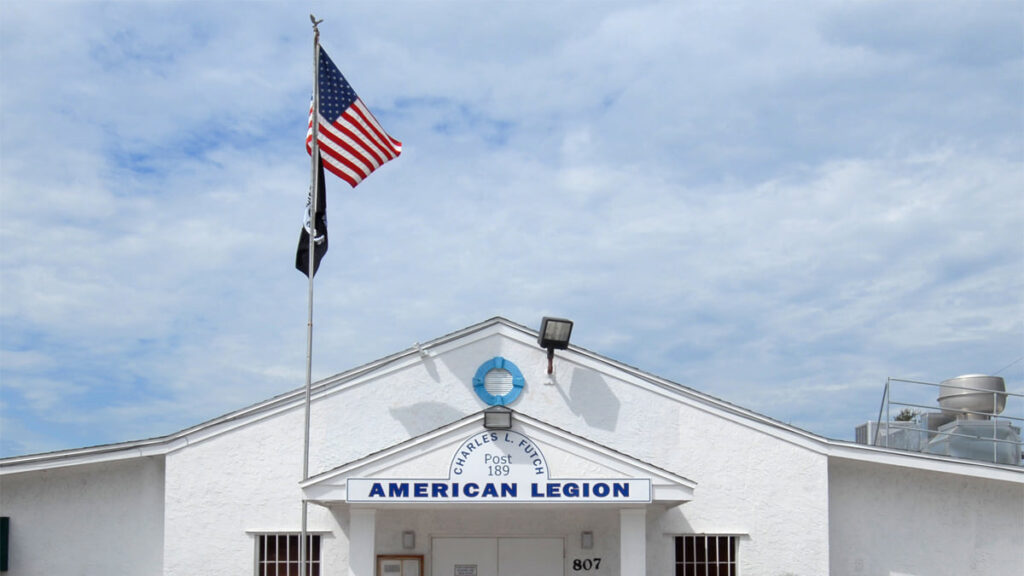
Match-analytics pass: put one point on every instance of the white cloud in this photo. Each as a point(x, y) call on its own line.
point(779, 205)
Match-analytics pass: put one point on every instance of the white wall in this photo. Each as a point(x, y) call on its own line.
point(84, 520)
point(773, 492)
point(224, 490)
point(887, 520)
point(415, 397)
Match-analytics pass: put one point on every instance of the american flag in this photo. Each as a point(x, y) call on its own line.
point(352, 143)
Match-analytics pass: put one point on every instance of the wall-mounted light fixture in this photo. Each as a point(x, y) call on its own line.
point(554, 335)
point(587, 540)
point(497, 418)
point(408, 539)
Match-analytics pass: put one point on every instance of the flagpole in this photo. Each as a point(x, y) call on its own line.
point(314, 188)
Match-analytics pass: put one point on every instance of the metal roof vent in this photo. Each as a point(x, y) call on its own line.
point(498, 382)
point(973, 396)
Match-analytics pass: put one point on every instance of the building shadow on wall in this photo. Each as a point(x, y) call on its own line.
point(591, 398)
point(423, 417)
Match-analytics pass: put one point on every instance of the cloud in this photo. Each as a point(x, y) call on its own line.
point(781, 205)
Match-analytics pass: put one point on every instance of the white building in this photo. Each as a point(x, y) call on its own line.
point(606, 470)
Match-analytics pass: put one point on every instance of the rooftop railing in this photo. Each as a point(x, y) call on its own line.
point(910, 402)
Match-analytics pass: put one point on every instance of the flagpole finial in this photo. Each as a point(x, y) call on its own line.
point(315, 22)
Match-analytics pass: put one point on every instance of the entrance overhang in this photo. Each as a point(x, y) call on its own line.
point(533, 464)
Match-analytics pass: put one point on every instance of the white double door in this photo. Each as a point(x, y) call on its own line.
point(498, 557)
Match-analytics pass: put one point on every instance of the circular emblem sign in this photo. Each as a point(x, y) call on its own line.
point(498, 455)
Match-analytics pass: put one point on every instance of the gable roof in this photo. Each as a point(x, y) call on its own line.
point(498, 326)
point(417, 454)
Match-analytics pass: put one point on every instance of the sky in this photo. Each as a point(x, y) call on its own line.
point(780, 204)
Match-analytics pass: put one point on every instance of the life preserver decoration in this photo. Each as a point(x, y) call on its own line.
point(498, 382)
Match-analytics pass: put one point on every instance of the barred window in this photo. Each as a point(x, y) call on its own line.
point(278, 554)
point(705, 555)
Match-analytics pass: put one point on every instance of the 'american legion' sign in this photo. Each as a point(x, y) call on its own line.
point(499, 466)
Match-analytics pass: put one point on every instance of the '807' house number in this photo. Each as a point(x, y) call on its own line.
point(586, 564)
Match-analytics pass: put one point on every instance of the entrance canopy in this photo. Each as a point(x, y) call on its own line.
point(465, 463)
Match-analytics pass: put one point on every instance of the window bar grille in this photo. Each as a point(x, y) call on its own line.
point(705, 555)
point(277, 555)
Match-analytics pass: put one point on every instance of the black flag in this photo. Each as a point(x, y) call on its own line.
point(320, 242)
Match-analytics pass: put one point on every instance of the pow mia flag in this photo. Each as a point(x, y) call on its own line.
point(320, 242)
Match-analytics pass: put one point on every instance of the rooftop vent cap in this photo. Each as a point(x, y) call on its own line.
point(973, 396)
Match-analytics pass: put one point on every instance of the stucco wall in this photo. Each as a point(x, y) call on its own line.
point(772, 493)
point(886, 520)
point(84, 520)
point(419, 395)
point(223, 491)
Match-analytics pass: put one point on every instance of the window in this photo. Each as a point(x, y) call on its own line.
point(278, 554)
point(705, 555)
